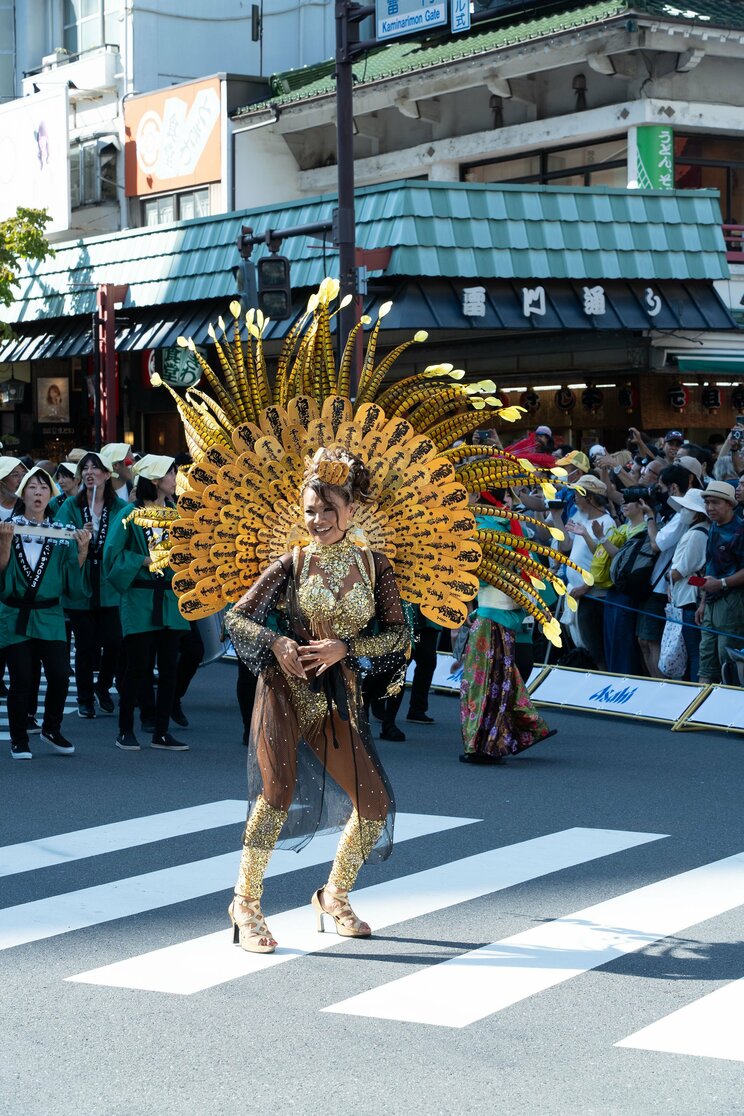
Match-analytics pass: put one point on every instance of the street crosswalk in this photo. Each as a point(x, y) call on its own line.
point(473, 986)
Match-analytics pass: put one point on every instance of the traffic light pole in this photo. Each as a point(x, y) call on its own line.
point(348, 47)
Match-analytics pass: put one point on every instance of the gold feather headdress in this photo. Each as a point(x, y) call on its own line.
point(250, 440)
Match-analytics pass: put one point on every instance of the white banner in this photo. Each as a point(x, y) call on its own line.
point(723, 707)
point(35, 157)
point(651, 698)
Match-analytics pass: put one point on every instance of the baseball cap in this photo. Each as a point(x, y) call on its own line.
point(544, 430)
point(674, 436)
point(721, 489)
point(576, 458)
point(692, 465)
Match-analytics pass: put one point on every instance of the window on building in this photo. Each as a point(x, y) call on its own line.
point(175, 207)
point(712, 162)
point(603, 163)
point(91, 23)
point(92, 173)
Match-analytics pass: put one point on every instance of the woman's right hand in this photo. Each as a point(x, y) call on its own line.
point(287, 654)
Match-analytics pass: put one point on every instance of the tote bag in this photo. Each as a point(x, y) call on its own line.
point(673, 654)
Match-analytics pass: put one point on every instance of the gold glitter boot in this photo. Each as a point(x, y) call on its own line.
point(357, 841)
point(261, 835)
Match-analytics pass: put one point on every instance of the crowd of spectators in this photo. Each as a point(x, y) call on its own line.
point(659, 522)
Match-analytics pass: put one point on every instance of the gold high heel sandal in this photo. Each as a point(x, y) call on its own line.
point(250, 931)
point(347, 923)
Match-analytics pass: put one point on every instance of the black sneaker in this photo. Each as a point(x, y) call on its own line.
point(168, 743)
point(33, 728)
point(128, 742)
point(392, 733)
point(20, 751)
point(178, 715)
point(420, 719)
point(104, 699)
point(87, 712)
point(58, 742)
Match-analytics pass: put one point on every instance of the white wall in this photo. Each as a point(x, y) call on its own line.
point(266, 172)
point(179, 40)
point(297, 33)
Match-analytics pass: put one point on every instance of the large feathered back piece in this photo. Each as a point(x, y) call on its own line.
point(240, 505)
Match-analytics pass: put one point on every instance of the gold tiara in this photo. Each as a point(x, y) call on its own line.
point(331, 472)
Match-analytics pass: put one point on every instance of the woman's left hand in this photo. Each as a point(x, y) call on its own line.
point(322, 653)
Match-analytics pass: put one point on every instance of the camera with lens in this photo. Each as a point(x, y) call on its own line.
point(737, 435)
point(655, 496)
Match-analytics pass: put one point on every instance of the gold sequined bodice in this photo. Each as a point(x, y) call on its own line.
point(329, 608)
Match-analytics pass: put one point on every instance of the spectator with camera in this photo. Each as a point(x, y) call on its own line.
point(666, 525)
point(730, 463)
point(721, 608)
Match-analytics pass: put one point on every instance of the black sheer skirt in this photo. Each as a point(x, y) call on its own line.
point(310, 751)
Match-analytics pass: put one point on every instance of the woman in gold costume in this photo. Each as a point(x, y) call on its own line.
point(312, 764)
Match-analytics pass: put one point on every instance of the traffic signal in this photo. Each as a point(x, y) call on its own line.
point(274, 287)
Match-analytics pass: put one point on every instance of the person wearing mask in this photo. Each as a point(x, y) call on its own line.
point(721, 608)
point(150, 620)
point(591, 522)
point(688, 560)
point(120, 456)
point(665, 528)
point(35, 573)
point(95, 623)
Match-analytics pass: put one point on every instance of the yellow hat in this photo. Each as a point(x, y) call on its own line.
point(576, 458)
point(105, 459)
point(32, 472)
point(117, 451)
point(7, 465)
point(153, 466)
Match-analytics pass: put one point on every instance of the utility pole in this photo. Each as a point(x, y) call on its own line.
point(348, 47)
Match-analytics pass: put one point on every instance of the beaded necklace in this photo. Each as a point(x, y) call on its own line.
point(335, 560)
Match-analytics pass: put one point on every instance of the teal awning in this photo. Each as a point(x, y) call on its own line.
point(717, 363)
point(469, 231)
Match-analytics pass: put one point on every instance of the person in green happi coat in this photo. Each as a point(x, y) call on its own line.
point(64, 475)
point(95, 623)
point(150, 620)
point(34, 575)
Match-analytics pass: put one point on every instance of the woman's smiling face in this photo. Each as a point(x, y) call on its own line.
point(327, 518)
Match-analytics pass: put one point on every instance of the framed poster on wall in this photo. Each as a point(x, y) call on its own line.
point(52, 399)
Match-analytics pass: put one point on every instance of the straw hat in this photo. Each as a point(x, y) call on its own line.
point(722, 490)
point(592, 484)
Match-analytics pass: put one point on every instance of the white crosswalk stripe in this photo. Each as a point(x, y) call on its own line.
point(479, 983)
point(710, 1027)
point(455, 993)
point(210, 960)
point(60, 914)
point(100, 839)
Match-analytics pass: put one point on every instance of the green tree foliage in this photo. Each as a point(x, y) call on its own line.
point(21, 238)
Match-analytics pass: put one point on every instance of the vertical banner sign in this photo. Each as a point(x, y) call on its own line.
point(394, 18)
point(459, 16)
point(655, 157)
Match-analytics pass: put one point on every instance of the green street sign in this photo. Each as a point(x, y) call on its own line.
point(655, 157)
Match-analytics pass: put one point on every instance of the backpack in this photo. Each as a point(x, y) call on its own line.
point(632, 566)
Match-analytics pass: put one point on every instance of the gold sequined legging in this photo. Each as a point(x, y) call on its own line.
point(349, 765)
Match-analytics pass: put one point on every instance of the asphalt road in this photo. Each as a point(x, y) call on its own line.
point(528, 1027)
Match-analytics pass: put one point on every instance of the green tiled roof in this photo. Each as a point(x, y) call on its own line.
point(406, 56)
point(459, 230)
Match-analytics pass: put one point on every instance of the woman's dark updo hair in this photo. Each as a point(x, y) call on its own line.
point(147, 490)
point(81, 499)
point(337, 472)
